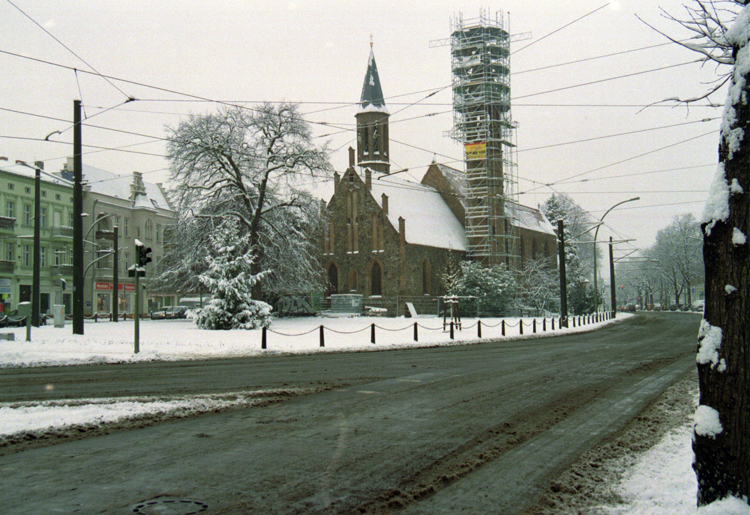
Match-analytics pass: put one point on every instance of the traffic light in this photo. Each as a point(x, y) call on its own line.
point(143, 255)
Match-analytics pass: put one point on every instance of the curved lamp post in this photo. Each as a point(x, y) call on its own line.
point(596, 303)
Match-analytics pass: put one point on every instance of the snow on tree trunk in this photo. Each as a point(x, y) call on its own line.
point(722, 431)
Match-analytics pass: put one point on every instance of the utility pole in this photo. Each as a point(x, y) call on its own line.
point(563, 278)
point(77, 221)
point(115, 278)
point(612, 284)
point(36, 279)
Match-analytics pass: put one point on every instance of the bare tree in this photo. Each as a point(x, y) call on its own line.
point(722, 431)
point(251, 165)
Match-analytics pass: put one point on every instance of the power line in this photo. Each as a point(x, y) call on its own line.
point(563, 181)
point(66, 47)
point(559, 29)
point(627, 75)
point(597, 138)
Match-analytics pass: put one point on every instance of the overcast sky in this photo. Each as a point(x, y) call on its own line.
point(169, 54)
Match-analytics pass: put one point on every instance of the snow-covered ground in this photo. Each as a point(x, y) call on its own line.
point(164, 340)
point(660, 483)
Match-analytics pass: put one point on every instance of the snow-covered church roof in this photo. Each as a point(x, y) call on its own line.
point(372, 99)
point(429, 221)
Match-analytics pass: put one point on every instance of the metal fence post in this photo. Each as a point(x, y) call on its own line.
point(263, 340)
point(322, 338)
point(479, 328)
point(416, 336)
point(372, 333)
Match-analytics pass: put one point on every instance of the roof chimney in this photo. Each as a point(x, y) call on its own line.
point(368, 179)
point(385, 204)
point(351, 157)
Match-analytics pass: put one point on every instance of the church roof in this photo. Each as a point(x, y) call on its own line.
point(429, 220)
point(372, 99)
point(525, 217)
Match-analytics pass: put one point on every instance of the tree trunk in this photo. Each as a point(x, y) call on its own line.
point(722, 461)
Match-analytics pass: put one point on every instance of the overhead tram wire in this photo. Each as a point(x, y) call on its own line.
point(563, 181)
point(559, 29)
point(196, 97)
point(66, 47)
point(607, 136)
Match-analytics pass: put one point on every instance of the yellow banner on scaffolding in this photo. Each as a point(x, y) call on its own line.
point(475, 151)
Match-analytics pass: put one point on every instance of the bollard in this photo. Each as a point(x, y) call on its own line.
point(574, 321)
point(479, 328)
point(533, 326)
point(451, 329)
point(503, 327)
point(322, 338)
point(520, 326)
point(416, 336)
point(544, 325)
point(263, 340)
point(372, 333)
point(553, 323)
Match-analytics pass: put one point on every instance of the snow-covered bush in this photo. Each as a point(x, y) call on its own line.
point(494, 288)
point(230, 282)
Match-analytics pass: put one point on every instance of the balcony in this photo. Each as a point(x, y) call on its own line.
point(7, 224)
point(61, 269)
point(61, 232)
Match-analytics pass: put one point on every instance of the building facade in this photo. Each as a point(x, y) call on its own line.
point(17, 197)
point(392, 240)
point(140, 210)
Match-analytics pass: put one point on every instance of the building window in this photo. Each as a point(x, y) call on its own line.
point(27, 190)
point(126, 224)
point(333, 279)
point(10, 186)
point(376, 283)
point(149, 230)
point(27, 214)
point(57, 196)
point(426, 282)
point(44, 193)
point(43, 217)
point(42, 257)
point(10, 254)
point(10, 209)
point(158, 233)
point(27, 255)
point(59, 257)
point(352, 222)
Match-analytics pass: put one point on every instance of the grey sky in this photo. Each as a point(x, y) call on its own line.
point(315, 53)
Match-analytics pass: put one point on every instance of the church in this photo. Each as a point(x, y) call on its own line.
point(390, 239)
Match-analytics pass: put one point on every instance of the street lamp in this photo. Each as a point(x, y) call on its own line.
point(596, 303)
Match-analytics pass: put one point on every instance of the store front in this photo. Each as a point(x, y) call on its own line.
point(103, 297)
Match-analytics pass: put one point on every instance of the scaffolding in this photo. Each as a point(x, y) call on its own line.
point(482, 122)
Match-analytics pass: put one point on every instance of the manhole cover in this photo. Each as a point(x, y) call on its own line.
point(170, 507)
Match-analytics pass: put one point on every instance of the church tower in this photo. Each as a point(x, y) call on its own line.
point(372, 123)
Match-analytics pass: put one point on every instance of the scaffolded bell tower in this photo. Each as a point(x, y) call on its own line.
point(482, 122)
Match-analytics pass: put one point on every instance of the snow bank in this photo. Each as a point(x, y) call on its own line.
point(173, 340)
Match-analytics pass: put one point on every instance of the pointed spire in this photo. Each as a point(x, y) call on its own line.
point(372, 94)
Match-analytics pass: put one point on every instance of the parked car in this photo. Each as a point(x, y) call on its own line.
point(698, 305)
point(170, 313)
point(176, 312)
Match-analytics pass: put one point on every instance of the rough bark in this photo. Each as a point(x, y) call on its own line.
point(722, 462)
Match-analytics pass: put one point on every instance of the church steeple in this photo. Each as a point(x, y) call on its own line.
point(372, 122)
